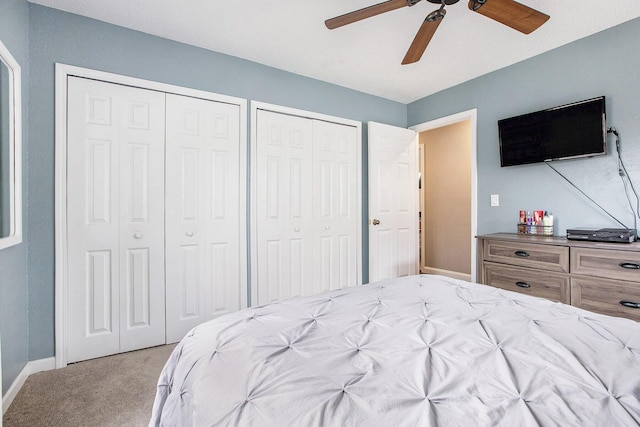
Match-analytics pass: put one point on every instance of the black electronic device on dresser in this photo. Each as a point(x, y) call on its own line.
point(612, 235)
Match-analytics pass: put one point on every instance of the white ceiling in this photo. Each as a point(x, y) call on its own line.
point(365, 56)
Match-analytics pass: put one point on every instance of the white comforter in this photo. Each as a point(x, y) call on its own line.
point(416, 351)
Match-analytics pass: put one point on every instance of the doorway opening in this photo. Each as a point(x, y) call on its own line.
point(448, 188)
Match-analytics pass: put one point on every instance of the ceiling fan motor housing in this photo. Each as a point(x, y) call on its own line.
point(446, 2)
point(475, 4)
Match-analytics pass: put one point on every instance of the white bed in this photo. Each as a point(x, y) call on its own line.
point(415, 351)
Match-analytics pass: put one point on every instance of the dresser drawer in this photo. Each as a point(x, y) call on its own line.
point(604, 296)
point(538, 283)
point(608, 263)
point(546, 257)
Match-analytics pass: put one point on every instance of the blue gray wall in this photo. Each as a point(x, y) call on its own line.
point(607, 64)
point(70, 39)
point(14, 325)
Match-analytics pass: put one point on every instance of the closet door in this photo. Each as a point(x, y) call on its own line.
point(115, 211)
point(335, 206)
point(284, 207)
point(306, 206)
point(202, 212)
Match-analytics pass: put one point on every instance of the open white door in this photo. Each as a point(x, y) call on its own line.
point(393, 202)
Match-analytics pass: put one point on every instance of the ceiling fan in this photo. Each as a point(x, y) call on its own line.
point(507, 12)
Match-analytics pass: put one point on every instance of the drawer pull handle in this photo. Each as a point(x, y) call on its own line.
point(630, 304)
point(524, 285)
point(521, 254)
point(630, 265)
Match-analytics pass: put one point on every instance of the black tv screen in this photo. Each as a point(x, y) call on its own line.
point(568, 131)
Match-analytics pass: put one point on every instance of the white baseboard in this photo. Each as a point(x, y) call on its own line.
point(448, 273)
point(32, 367)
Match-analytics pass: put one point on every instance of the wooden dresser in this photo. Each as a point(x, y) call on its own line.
point(601, 277)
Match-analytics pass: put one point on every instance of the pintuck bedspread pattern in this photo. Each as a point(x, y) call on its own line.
point(415, 351)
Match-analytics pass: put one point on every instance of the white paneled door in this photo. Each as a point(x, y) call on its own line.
point(203, 221)
point(393, 202)
point(155, 216)
point(306, 206)
point(284, 207)
point(115, 218)
point(336, 216)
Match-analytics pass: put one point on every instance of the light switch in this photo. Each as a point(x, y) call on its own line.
point(495, 200)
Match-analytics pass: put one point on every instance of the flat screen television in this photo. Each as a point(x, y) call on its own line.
point(565, 132)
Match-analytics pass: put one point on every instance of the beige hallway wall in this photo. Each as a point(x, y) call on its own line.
point(446, 192)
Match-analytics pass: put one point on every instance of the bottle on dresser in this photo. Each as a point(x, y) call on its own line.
point(547, 222)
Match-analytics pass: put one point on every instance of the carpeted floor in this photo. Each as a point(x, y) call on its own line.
point(110, 391)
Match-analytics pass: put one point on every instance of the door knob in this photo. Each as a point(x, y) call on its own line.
point(189, 233)
point(137, 236)
point(375, 222)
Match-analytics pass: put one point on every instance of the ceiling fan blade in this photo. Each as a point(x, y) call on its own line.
point(423, 37)
point(367, 12)
point(510, 13)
